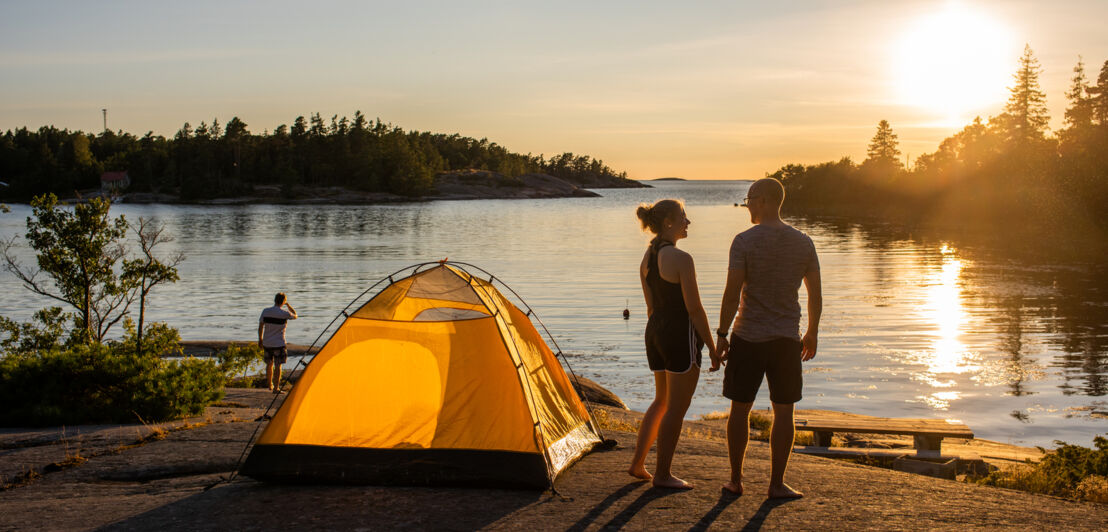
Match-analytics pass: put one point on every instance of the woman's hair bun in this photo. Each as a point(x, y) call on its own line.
point(653, 217)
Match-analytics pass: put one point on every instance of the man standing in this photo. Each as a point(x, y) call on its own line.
point(271, 338)
point(767, 263)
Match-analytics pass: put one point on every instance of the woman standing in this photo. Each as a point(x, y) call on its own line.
point(676, 330)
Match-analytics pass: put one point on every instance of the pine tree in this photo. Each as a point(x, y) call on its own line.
point(1098, 97)
point(1025, 116)
point(1079, 113)
point(299, 128)
point(883, 149)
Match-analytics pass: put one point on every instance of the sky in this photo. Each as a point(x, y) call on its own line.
point(699, 90)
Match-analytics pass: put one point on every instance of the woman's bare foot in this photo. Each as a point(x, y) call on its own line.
point(639, 472)
point(734, 487)
point(784, 492)
point(672, 482)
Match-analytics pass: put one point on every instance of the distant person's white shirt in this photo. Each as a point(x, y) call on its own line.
point(273, 326)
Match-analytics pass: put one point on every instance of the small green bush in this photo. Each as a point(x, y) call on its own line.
point(1070, 471)
point(117, 382)
point(237, 359)
point(45, 331)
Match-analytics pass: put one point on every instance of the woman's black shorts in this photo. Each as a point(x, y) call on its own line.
point(672, 346)
point(778, 360)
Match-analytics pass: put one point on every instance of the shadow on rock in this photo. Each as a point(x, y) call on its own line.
point(759, 517)
point(603, 505)
point(725, 500)
point(254, 505)
point(636, 506)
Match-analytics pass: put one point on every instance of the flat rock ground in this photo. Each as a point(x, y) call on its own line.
point(103, 479)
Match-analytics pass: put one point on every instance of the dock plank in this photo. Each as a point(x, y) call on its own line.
point(876, 425)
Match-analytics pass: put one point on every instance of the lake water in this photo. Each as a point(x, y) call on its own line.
point(913, 325)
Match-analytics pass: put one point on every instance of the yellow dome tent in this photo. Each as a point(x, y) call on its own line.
point(437, 379)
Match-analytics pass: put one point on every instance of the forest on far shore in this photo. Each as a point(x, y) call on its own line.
point(215, 160)
point(1007, 173)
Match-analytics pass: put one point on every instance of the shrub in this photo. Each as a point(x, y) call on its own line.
point(45, 331)
point(106, 383)
point(1070, 471)
point(236, 361)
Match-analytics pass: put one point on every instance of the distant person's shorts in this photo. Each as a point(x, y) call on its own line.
point(278, 354)
point(778, 360)
point(672, 346)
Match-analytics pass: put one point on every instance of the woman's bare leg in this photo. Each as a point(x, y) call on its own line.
point(648, 430)
point(681, 387)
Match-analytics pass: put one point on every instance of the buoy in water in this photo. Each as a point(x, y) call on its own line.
point(626, 314)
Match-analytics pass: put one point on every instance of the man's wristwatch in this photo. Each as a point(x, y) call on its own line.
point(722, 333)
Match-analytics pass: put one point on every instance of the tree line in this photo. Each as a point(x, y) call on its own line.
point(214, 160)
point(1002, 171)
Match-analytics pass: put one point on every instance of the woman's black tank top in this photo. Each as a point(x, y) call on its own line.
point(668, 301)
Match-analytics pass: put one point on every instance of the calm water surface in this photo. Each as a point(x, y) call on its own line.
point(913, 326)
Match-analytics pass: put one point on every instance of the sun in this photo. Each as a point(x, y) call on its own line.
point(955, 62)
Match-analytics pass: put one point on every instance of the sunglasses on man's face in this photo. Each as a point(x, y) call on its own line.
point(746, 200)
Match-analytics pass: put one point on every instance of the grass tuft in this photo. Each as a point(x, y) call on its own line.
point(21, 479)
point(1093, 488)
point(607, 421)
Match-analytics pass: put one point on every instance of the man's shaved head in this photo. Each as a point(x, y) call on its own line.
point(770, 189)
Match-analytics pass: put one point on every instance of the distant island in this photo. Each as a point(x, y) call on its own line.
point(313, 161)
point(669, 179)
point(460, 185)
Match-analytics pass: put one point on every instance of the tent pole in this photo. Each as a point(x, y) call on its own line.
point(550, 337)
point(529, 394)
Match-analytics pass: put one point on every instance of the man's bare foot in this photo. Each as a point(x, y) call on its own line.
point(672, 483)
point(734, 487)
point(783, 492)
point(639, 472)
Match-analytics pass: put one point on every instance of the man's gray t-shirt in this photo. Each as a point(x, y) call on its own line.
point(775, 260)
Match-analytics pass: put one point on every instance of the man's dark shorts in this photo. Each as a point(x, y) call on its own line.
point(778, 360)
point(279, 354)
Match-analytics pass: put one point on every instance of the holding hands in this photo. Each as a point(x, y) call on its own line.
point(713, 353)
point(723, 348)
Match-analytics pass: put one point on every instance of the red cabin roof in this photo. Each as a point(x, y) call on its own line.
point(108, 177)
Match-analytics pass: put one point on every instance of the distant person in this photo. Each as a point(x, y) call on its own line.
point(676, 331)
point(767, 263)
point(271, 338)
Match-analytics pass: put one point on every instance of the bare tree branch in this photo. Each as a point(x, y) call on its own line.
point(28, 277)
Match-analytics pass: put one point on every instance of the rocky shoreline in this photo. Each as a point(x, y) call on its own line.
point(448, 186)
